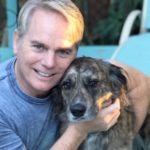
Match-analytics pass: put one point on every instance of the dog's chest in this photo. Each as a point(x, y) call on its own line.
point(93, 142)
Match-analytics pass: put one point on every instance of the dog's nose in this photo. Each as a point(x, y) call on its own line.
point(78, 109)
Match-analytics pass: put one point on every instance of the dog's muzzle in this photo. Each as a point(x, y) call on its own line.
point(78, 109)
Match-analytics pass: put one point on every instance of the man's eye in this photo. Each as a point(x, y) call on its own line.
point(64, 52)
point(39, 47)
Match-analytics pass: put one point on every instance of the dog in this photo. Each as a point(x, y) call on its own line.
point(86, 82)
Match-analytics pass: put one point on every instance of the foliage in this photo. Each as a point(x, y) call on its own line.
point(2, 18)
point(107, 31)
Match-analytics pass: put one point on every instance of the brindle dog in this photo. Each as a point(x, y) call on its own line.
point(87, 80)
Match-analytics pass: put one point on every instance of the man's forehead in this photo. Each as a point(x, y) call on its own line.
point(68, 43)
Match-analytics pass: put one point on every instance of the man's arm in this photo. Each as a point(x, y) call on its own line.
point(139, 92)
point(76, 133)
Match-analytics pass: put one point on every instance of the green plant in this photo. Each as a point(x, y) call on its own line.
point(107, 30)
point(110, 28)
point(2, 18)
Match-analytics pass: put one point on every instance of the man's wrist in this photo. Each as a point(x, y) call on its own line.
point(78, 131)
point(71, 138)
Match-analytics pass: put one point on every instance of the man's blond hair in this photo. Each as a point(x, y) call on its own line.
point(65, 7)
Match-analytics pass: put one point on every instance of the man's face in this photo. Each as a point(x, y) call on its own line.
point(44, 53)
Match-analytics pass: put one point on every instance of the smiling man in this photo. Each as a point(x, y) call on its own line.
point(44, 52)
point(45, 43)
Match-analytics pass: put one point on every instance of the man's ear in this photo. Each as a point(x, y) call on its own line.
point(15, 42)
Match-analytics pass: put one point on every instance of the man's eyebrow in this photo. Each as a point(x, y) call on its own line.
point(40, 43)
point(37, 42)
point(72, 47)
point(64, 48)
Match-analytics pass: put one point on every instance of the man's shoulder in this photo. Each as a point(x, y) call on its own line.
point(4, 84)
point(3, 68)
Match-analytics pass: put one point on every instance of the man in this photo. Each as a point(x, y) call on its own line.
point(45, 43)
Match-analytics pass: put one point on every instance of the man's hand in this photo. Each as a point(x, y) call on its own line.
point(105, 119)
point(77, 132)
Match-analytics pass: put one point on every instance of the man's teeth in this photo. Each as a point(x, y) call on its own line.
point(43, 74)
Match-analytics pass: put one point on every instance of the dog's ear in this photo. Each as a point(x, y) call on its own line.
point(117, 76)
point(119, 83)
point(117, 80)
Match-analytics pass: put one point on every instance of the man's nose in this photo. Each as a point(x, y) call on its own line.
point(49, 60)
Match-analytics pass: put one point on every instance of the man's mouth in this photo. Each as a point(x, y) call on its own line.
point(44, 74)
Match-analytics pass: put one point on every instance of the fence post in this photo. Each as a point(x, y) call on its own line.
point(11, 8)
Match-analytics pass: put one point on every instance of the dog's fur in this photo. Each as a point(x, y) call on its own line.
point(143, 139)
point(85, 81)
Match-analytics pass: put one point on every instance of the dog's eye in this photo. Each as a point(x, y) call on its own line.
point(92, 83)
point(66, 84)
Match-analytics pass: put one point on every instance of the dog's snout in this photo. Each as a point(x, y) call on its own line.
point(78, 109)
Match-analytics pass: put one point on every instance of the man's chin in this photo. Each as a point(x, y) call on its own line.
point(43, 88)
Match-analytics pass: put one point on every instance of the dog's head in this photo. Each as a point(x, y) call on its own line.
point(85, 81)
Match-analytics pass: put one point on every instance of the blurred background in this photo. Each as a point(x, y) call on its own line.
point(103, 18)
